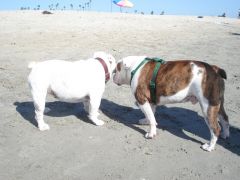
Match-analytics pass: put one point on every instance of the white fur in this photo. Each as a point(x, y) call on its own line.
point(129, 63)
point(193, 90)
point(78, 81)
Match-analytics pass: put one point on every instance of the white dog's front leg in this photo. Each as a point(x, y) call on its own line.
point(145, 121)
point(39, 110)
point(41, 124)
point(93, 110)
point(211, 145)
point(149, 114)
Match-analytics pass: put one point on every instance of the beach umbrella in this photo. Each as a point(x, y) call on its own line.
point(123, 3)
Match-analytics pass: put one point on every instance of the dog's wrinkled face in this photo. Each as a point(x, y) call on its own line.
point(122, 73)
point(108, 58)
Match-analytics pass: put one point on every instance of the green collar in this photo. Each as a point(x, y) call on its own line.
point(135, 70)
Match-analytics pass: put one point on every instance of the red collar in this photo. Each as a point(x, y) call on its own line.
point(107, 75)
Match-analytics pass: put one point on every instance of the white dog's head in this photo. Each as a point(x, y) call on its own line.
point(124, 68)
point(121, 75)
point(109, 60)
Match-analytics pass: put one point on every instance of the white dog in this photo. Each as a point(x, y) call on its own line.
point(79, 81)
point(174, 82)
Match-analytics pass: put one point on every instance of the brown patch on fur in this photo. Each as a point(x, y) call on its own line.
point(172, 77)
point(212, 119)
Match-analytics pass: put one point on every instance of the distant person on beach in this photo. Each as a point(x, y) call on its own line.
point(223, 15)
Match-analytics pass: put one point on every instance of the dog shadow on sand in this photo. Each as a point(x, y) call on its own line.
point(175, 120)
point(52, 109)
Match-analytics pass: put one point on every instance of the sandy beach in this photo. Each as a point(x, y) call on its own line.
point(74, 148)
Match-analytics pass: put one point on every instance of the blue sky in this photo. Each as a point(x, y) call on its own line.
point(171, 7)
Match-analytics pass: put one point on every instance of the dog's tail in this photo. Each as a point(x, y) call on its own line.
point(31, 65)
point(220, 71)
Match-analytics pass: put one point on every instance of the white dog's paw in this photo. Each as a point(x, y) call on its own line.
point(207, 147)
point(98, 122)
point(43, 127)
point(150, 135)
point(143, 121)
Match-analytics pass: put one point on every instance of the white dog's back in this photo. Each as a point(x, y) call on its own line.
point(71, 80)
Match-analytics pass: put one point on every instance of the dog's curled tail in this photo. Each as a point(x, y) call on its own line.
point(220, 71)
point(31, 65)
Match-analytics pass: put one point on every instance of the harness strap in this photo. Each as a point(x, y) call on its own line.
point(107, 74)
point(135, 70)
point(152, 84)
point(153, 80)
